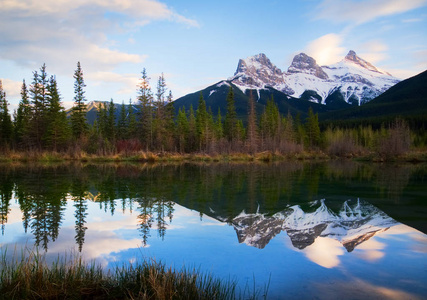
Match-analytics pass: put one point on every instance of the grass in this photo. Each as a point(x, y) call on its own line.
point(417, 155)
point(31, 277)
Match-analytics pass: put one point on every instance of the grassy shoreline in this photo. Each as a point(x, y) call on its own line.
point(31, 277)
point(266, 156)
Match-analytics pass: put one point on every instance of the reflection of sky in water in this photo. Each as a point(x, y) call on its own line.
point(391, 264)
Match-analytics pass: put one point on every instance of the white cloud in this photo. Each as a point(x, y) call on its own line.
point(363, 11)
point(325, 252)
point(374, 51)
point(62, 32)
point(327, 49)
point(11, 87)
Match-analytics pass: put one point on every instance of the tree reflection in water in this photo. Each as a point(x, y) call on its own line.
point(222, 191)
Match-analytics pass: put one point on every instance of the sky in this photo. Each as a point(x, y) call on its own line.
point(197, 43)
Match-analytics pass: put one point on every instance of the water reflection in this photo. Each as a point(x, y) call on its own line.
point(259, 201)
point(353, 224)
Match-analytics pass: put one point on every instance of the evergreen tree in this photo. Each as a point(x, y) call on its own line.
point(288, 130)
point(169, 122)
point(122, 123)
point(192, 131)
point(57, 132)
point(202, 123)
point(37, 112)
point(111, 122)
point(313, 129)
point(78, 113)
point(132, 126)
point(219, 128)
point(6, 126)
point(102, 120)
point(230, 121)
point(182, 129)
point(22, 118)
point(252, 134)
point(159, 121)
point(145, 99)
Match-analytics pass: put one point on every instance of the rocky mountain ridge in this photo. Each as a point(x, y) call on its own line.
point(353, 79)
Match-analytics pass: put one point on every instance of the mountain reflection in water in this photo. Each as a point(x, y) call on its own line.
point(321, 226)
point(351, 225)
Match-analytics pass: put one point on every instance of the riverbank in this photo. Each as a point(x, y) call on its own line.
point(266, 156)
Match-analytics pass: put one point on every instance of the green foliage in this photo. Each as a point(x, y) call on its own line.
point(6, 126)
point(78, 113)
point(57, 129)
point(313, 129)
point(230, 122)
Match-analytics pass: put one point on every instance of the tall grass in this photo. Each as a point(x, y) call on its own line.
point(31, 277)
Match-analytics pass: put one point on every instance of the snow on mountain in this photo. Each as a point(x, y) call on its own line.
point(351, 226)
point(357, 80)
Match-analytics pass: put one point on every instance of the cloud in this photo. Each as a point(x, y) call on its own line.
point(11, 87)
point(374, 51)
point(327, 49)
point(325, 252)
point(62, 32)
point(363, 11)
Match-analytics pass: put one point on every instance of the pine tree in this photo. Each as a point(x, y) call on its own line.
point(182, 129)
point(22, 118)
point(6, 126)
point(78, 114)
point(169, 122)
point(202, 123)
point(37, 113)
point(122, 123)
point(111, 122)
point(145, 99)
point(252, 134)
point(313, 129)
point(102, 120)
point(230, 121)
point(192, 131)
point(132, 126)
point(57, 132)
point(159, 121)
point(219, 128)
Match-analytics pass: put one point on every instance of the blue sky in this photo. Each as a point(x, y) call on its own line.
point(197, 43)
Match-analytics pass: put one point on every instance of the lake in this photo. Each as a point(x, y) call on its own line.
point(313, 230)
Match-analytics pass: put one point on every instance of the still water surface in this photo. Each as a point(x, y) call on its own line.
point(305, 230)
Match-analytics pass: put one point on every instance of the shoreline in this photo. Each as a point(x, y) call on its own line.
point(415, 156)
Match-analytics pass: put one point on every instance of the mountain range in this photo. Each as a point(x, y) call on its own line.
point(351, 89)
point(353, 79)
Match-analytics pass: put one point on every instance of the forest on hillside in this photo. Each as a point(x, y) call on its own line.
point(42, 124)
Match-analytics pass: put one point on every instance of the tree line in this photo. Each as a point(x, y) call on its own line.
point(41, 123)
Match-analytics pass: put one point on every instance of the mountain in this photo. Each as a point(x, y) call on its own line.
point(352, 81)
point(215, 98)
point(406, 98)
point(354, 223)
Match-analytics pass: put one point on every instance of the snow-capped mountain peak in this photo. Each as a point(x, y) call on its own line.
point(351, 57)
point(256, 72)
point(353, 79)
point(302, 63)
